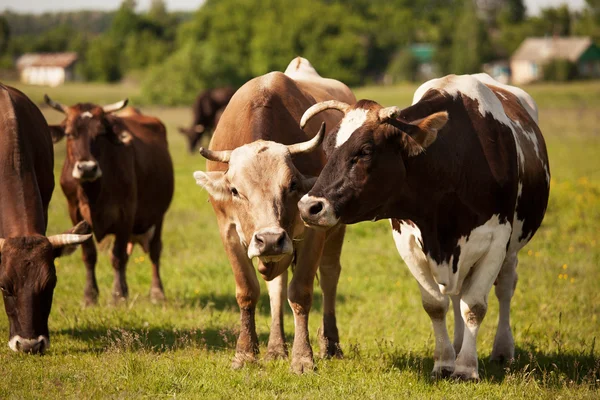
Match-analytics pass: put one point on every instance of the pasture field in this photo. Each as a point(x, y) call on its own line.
point(183, 348)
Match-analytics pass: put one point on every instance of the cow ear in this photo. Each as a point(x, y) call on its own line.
point(426, 130)
point(215, 184)
point(57, 132)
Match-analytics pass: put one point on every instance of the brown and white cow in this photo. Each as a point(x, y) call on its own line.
point(257, 172)
point(27, 273)
point(463, 174)
point(208, 107)
point(117, 176)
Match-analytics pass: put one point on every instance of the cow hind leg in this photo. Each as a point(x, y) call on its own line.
point(276, 349)
point(157, 293)
point(436, 305)
point(329, 273)
point(90, 256)
point(504, 344)
point(459, 324)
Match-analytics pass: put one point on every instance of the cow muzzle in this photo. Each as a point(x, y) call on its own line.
point(270, 245)
point(87, 171)
point(317, 212)
point(31, 346)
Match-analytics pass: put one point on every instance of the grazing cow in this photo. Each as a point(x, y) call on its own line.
point(117, 176)
point(208, 107)
point(463, 174)
point(254, 191)
point(27, 273)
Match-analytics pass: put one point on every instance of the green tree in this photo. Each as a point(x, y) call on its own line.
point(470, 42)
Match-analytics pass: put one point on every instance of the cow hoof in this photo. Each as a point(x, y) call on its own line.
point(276, 354)
point(332, 350)
point(241, 359)
point(90, 299)
point(442, 373)
point(301, 365)
point(157, 296)
point(465, 376)
point(118, 299)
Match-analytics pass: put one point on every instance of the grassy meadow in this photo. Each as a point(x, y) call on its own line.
point(183, 348)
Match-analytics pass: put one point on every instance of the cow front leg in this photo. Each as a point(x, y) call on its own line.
point(90, 256)
point(276, 349)
point(157, 293)
point(436, 305)
point(246, 349)
point(504, 344)
point(300, 298)
point(329, 275)
point(119, 259)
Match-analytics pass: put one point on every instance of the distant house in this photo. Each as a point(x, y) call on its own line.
point(527, 62)
point(50, 69)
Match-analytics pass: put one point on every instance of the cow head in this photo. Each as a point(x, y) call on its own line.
point(27, 281)
point(366, 154)
point(259, 193)
point(91, 132)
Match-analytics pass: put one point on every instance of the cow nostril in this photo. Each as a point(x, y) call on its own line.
point(18, 345)
point(281, 240)
point(80, 167)
point(93, 168)
point(259, 239)
point(316, 208)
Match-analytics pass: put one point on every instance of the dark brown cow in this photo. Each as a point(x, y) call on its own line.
point(208, 107)
point(117, 176)
point(254, 191)
point(463, 174)
point(27, 273)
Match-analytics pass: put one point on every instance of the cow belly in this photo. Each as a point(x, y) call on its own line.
point(486, 242)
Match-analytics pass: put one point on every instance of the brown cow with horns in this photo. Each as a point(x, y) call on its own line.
point(117, 176)
point(261, 164)
point(27, 273)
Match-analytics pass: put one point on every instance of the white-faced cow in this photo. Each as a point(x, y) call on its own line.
point(463, 174)
point(27, 273)
point(208, 107)
point(117, 176)
point(257, 172)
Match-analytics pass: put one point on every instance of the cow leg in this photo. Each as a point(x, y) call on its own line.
point(247, 292)
point(459, 324)
point(119, 259)
point(90, 256)
point(300, 298)
point(473, 307)
point(157, 293)
point(504, 344)
point(277, 295)
point(329, 274)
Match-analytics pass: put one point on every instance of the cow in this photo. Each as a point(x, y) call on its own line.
point(118, 177)
point(260, 164)
point(463, 176)
point(208, 107)
point(27, 272)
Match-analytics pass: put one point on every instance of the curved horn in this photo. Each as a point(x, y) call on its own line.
point(387, 113)
point(115, 106)
point(308, 146)
point(1, 244)
point(221, 156)
point(322, 106)
point(55, 105)
point(67, 238)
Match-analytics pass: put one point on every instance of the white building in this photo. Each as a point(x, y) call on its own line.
point(50, 69)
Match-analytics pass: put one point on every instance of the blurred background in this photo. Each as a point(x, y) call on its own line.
point(169, 50)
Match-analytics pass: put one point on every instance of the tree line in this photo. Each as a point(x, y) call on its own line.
point(227, 42)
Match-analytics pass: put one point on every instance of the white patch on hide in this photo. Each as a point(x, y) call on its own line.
point(349, 124)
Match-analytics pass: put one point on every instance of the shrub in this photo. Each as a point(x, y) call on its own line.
point(560, 71)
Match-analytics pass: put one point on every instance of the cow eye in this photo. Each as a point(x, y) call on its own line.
point(365, 151)
point(293, 186)
point(234, 192)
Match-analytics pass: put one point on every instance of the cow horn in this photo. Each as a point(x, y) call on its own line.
point(221, 156)
point(322, 106)
point(67, 238)
point(387, 113)
point(1, 244)
point(308, 146)
point(57, 106)
point(115, 106)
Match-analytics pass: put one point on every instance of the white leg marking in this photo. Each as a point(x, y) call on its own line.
point(504, 344)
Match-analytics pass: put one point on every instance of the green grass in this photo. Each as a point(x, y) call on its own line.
point(184, 347)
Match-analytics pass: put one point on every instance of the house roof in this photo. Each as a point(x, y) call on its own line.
point(63, 60)
point(547, 48)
